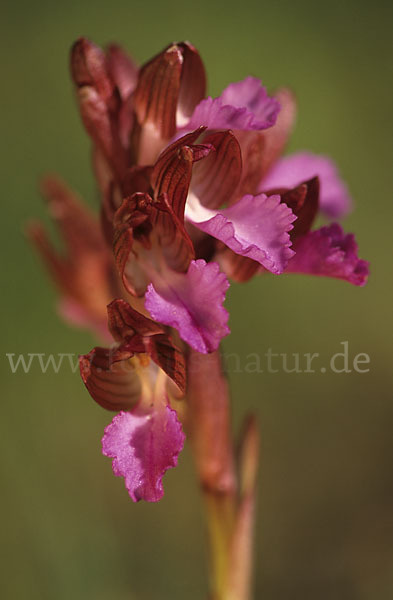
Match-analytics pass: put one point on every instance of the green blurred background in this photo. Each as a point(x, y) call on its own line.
point(325, 525)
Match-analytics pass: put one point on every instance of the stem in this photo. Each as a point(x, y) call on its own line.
point(229, 503)
point(220, 516)
point(240, 574)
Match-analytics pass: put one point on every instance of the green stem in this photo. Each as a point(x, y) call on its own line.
point(220, 517)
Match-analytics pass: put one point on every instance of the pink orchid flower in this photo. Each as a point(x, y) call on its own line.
point(189, 186)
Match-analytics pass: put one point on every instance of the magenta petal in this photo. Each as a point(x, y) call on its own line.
point(244, 105)
point(335, 201)
point(329, 252)
point(192, 303)
point(256, 227)
point(144, 445)
point(250, 93)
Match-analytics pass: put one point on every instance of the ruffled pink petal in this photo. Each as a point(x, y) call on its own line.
point(250, 93)
point(289, 172)
point(144, 445)
point(256, 227)
point(244, 105)
point(192, 303)
point(329, 252)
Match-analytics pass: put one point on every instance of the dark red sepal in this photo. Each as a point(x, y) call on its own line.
point(168, 357)
point(110, 379)
point(89, 68)
point(216, 178)
point(173, 169)
point(124, 322)
point(236, 267)
point(100, 103)
point(82, 272)
point(131, 328)
point(172, 81)
point(110, 376)
point(122, 70)
point(303, 200)
point(132, 224)
point(193, 80)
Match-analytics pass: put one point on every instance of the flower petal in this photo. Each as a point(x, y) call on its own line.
point(275, 138)
point(172, 171)
point(329, 252)
point(256, 227)
point(252, 146)
point(169, 87)
point(132, 229)
point(110, 378)
point(216, 177)
point(170, 179)
point(82, 273)
point(192, 303)
point(155, 98)
point(144, 445)
point(122, 69)
point(244, 105)
point(250, 93)
point(125, 322)
point(89, 68)
point(292, 170)
point(124, 74)
point(192, 83)
point(99, 102)
point(168, 357)
point(236, 267)
point(128, 326)
point(145, 231)
point(303, 202)
point(260, 149)
point(78, 226)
